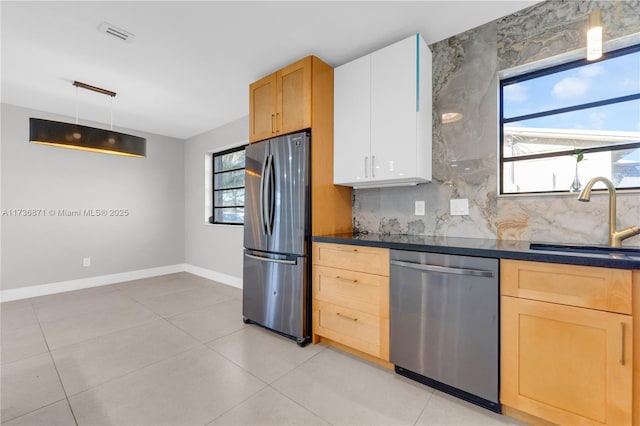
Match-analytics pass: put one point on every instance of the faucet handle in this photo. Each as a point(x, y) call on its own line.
point(623, 234)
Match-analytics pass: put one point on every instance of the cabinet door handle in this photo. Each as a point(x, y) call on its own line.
point(272, 126)
point(346, 279)
point(278, 127)
point(622, 327)
point(366, 162)
point(373, 166)
point(346, 317)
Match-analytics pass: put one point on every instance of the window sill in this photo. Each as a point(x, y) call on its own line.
point(225, 225)
point(599, 191)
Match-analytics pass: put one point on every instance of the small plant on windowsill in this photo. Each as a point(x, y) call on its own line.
point(576, 185)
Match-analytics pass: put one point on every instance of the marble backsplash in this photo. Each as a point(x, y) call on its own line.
point(465, 69)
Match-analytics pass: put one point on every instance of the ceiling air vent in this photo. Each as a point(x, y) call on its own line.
point(116, 32)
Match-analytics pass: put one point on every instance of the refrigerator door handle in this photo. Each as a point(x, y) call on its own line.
point(262, 227)
point(268, 259)
point(272, 195)
point(264, 180)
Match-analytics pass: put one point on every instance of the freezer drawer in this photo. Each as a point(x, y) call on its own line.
point(444, 322)
point(275, 293)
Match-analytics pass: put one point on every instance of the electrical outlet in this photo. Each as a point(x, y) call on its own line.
point(86, 262)
point(419, 208)
point(459, 207)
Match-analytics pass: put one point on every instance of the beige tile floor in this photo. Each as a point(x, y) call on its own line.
point(173, 350)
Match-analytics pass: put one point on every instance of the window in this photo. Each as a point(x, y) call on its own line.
point(228, 186)
point(588, 111)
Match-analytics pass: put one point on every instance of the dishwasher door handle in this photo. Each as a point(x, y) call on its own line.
point(443, 269)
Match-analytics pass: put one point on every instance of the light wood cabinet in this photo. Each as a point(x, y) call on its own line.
point(262, 104)
point(351, 299)
point(383, 117)
point(298, 97)
point(566, 351)
point(280, 103)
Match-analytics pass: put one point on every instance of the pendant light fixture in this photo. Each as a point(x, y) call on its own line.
point(594, 36)
point(75, 136)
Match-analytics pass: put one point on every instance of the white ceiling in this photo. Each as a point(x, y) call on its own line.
point(188, 69)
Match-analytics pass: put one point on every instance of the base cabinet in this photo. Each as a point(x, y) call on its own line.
point(570, 365)
point(565, 364)
point(351, 299)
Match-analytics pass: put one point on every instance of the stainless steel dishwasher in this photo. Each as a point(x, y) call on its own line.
point(444, 329)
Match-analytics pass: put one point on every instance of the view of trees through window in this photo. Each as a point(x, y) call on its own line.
point(586, 111)
point(228, 186)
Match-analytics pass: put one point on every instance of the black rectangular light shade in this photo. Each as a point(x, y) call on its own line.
point(75, 136)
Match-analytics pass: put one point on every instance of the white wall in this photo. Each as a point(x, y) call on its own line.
point(49, 248)
point(214, 251)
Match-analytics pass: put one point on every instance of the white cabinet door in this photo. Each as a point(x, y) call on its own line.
point(352, 122)
point(382, 117)
point(394, 109)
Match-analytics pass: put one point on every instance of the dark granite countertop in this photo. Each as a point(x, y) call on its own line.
point(501, 249)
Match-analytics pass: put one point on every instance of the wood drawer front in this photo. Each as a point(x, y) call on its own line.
point(359, 330)
point(371, 260)
point(359, 291)
point(583, 286)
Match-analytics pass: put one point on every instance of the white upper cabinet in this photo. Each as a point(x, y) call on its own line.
point(382, 117)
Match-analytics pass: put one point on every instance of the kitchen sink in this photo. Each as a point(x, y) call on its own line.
point(575, 248)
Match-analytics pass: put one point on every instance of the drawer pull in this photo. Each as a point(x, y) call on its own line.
point(346, 317)
point(347, 279)
point(622, 326)
point(347, 250)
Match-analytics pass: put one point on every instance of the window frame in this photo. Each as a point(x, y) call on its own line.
point(214, 173)
point(612, 147)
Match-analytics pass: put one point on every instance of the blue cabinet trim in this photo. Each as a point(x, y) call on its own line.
point(417, 72)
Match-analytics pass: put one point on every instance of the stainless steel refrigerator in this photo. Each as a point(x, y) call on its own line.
point(276, 292)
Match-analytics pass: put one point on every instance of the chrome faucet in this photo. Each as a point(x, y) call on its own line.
point(615, 236)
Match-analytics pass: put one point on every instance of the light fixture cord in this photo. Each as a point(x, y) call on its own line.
point(76, 105)
point(111, 127)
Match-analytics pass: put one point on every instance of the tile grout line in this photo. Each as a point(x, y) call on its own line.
point(140, 305)
point(206, 345)
point(106, 334)
point(189, 311)
point(39, 408)
point(298, 404)
point(90, 310)
point(267, 385)
point(199, 287)
point(140, 369)
point(137, 370)
point(55, 366)
point(202, 308)
point(32, 306)
point(97, 337)
point(424, 407)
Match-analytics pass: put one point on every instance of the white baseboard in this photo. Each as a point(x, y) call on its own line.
point(214, 276)
point(62, 286)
